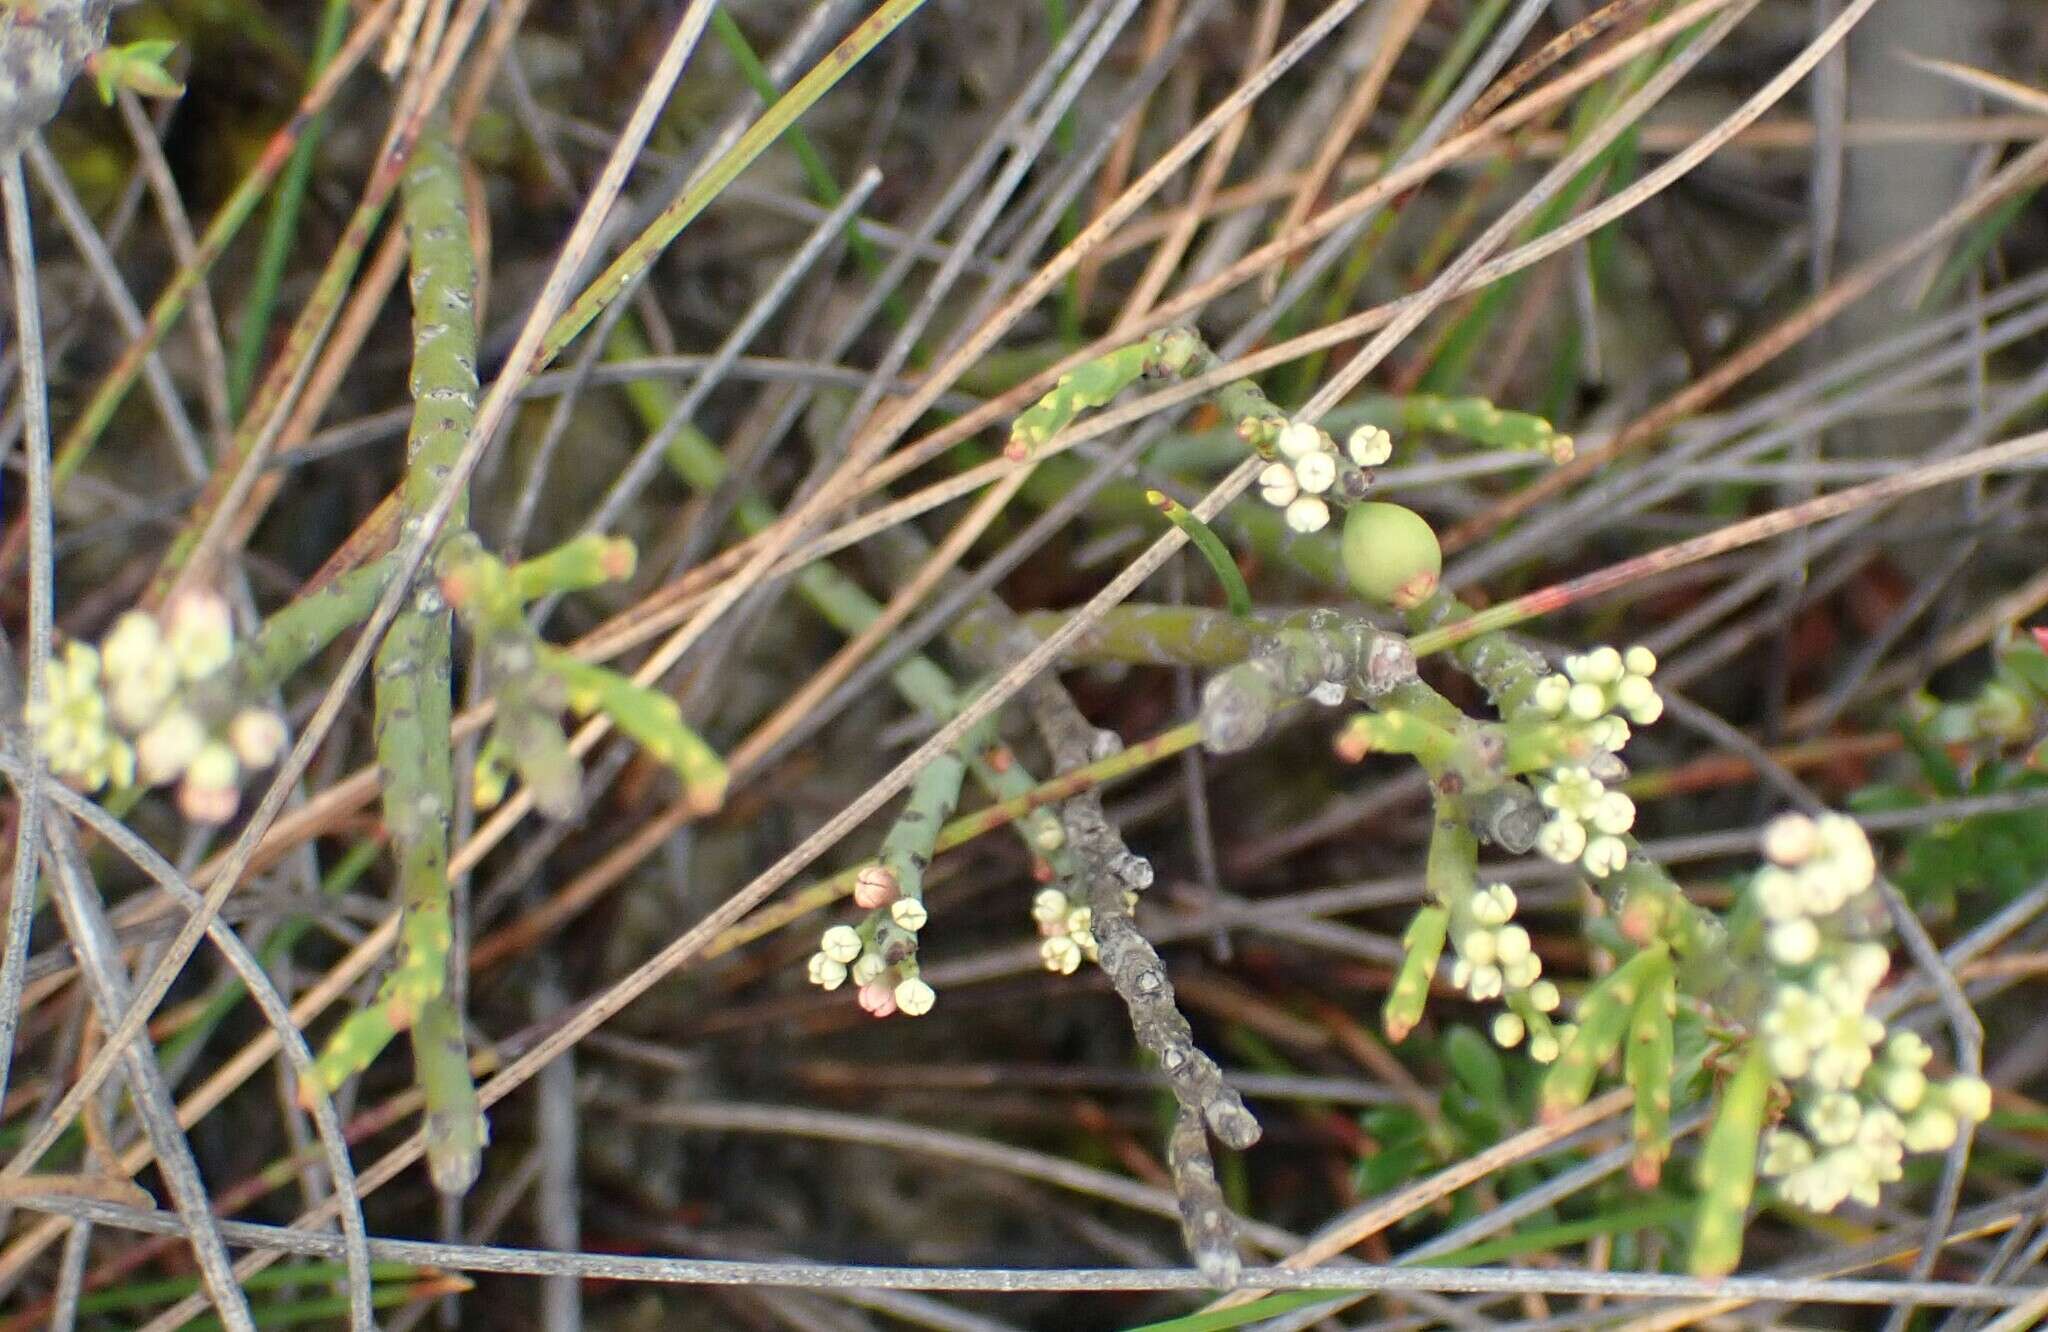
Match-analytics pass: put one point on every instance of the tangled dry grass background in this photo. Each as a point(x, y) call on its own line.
point(761, 286)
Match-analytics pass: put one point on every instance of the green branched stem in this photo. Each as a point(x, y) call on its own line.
point(455, 1129)
point(1172, 352)
point(1397, 731)
point(1647, 1065)
point(1333, 653)
point(1470, 418)
point(289, 639)
point(908, 847)
point(1603, 1022)
point(575, 565)
point(414, 685)
point(1727, 1166)
point(1450, 871)
point(1422, 946)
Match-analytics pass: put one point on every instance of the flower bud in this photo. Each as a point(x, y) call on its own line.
point(866, 968)
point(1791, 839)
point(1586, 702)
point(1545, 996)
point(909, 913)
point(1562, 840)
point(199, 634)
point(1308, 514)
point(874, 888)
point(1315, 473)
point(1639, 660)
point(1969, 1098)
point(878, 998)
point(1795, 942)
point(1369, 446)
point(1605, 856)
point(841, 943)
point(164, 750)
point(915, 997)
point(1508, 1030)
point(1060, 954)
point(1277, 485)
point(825, 972)
point(1298, 439)
point(1049, 907)
point(257, 736)
point(1550, 694)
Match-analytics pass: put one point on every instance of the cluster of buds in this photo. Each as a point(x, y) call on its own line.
point(1600, 692)
point(882, 986)
point(1066, 931)
point(1309, 471)
point(139, 709)
point(1495, 960)
point(1860, 1097)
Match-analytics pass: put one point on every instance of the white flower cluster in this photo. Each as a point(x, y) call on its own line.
point(1818, 867)
point(1066, 930)
point(1495, 960)
point(122, 713)
point(1587, 820)
point(882, 987)
point(1859, 1094)
point(1308, 467)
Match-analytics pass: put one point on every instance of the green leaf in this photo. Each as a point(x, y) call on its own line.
point(138, 67)
point(1476, 1065)
point(1235, 594)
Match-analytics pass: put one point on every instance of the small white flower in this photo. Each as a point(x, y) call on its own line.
point(1795, 942)
point(1791, 839)
point(1521, 973)
point(199, 634)
point(1821, 887)
point(1586, 701)
point(1487, 983)
point(1060, 955)
point(1609, 733)
point(825, 972)
point(1477, 947)
point(1778, 893)
point(1508, 1030)
point(1785, 1152)
point(1550, 694)
point(1865, 965)
point(1605, 856)
point(135, 641)
point(1635, 694)
point(257, 736)
point(841, 943)
point(1904, 1087)
point(1511, 944)
point(1573, 792)
point(915, 998)
point(867, 969)
point(1931, 1129)
point(911, 915)
point(1639, 660)
point(1543, 1047)
point(1277, 485)
point(1842, 1060)
point(1614, 813)
point(1834, 1118)
point(1788, 1058)
point(1369, 446)
point(1461, 974)
point(1315, 472)
point(1308, 514)
point(1907, 1050)
point(1601, 666)
point(1298, 439)
point(1049, 907)
point(1494, 904)
point(164, 749)
point(1969, 1098)
point(1544, 995)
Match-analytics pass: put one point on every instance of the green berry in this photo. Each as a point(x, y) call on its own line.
point(1391, 554)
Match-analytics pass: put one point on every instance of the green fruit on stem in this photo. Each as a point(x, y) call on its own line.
point(1391, 554)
